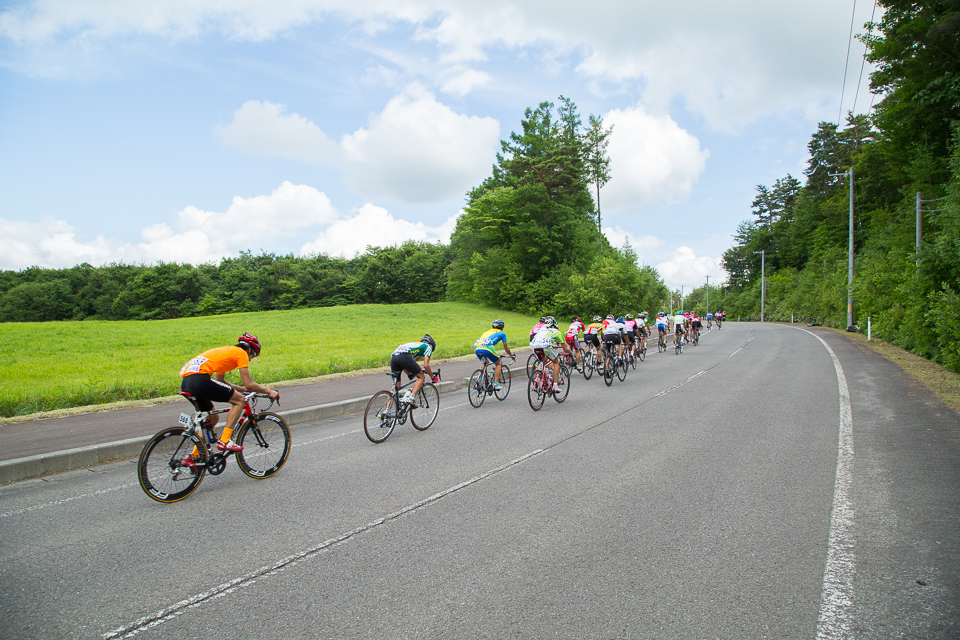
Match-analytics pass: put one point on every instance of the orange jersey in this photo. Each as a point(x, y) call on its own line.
point(217, 361)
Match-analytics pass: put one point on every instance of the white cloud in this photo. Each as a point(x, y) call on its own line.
point(416, 150)
point(374, 226)
point(651, 160)
point(641, 244)
point(197, 236)
point(419, 150)
point(685, 269)
point(263, 128)
point(731, 62)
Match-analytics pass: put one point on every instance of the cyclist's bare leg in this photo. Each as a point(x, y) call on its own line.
point(236, 409)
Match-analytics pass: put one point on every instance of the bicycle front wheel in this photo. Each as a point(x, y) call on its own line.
point(424, 412)
point(589, 362)
point(621, 368)
point(532, 364)
point(476, 388)
point(536, 393)
point(379, 417)
point(608, 371)
point(564, 389)
point(160, 470)
point(504, 381)
point(265, 439)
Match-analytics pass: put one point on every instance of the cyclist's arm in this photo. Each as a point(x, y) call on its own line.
point(250, 385)
point(426, 366)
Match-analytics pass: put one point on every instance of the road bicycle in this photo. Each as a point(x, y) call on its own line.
point(540, 385)
point(661, 343)
point(678, 343)
point(590, 364)
point(481, 383)
point(385, 410)
point(696, 338)
point(613, 365)
point(166, 475)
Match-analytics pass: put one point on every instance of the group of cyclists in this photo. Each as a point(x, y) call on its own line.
point(203, 377)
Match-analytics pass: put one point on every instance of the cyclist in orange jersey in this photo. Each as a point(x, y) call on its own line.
point(203, 377)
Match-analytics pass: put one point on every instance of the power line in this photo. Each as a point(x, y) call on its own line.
point(846, 63)
point(863, 62)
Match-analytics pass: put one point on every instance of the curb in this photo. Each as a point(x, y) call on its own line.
point(69, 459)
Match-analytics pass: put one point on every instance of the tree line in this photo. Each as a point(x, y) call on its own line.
point(904, 156)
point(412, 272)
point(529, 240)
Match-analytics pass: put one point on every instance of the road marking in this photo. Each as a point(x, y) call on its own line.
point(57, 503)
point(680, 384)
point(169, 613)
point(836, 597)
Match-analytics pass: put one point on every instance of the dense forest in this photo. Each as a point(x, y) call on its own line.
point(528, 240)
point(905, 161)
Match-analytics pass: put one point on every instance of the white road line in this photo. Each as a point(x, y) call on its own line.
point(148, 622)
point(57, 503)
point(836, 596)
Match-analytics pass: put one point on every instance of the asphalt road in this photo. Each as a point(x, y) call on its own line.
point(721, 493)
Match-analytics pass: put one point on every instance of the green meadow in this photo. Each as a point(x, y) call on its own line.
point(58, 365)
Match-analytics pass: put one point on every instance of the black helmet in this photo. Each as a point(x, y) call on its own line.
point(430, 341)
point(498, 324)
point(543, 319)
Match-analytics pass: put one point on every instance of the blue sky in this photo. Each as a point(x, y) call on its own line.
point(189, 130)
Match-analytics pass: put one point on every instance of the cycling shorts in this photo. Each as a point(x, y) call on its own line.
point(661, 328)
point(679, 329)
point(488, 354)
point(204, 388)
point(592, 338)
point(573, 342)
point(628, 338)
point(405, 362)
point(548, 353)
point(611, 338)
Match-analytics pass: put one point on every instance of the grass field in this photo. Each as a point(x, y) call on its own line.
point(57, 365)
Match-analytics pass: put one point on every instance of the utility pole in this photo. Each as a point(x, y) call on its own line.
point(763, 281)
point(919, 224)
point(850, 263)
point(681, 298)
point(708, 296)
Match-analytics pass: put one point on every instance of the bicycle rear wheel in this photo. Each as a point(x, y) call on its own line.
point(536, 392)
point(265, 439)
point(505, 379)
point(608, 371)
point(621, 369)
point(160, 470)
point(643, 352)
point(476, 388)
point(424, 412)
point(589, 364)
point(380, 416)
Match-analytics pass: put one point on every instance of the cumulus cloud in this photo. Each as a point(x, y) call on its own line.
point(685, 269)
point(652, 160)
point(374, 226)
point(731, 62)
point(419, 150)
point(264, 128)
point(195, 237)
point(416, 150)
point(617, 236)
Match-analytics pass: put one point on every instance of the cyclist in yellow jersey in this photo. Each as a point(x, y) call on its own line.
point(592, 333)
point(203, 378)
